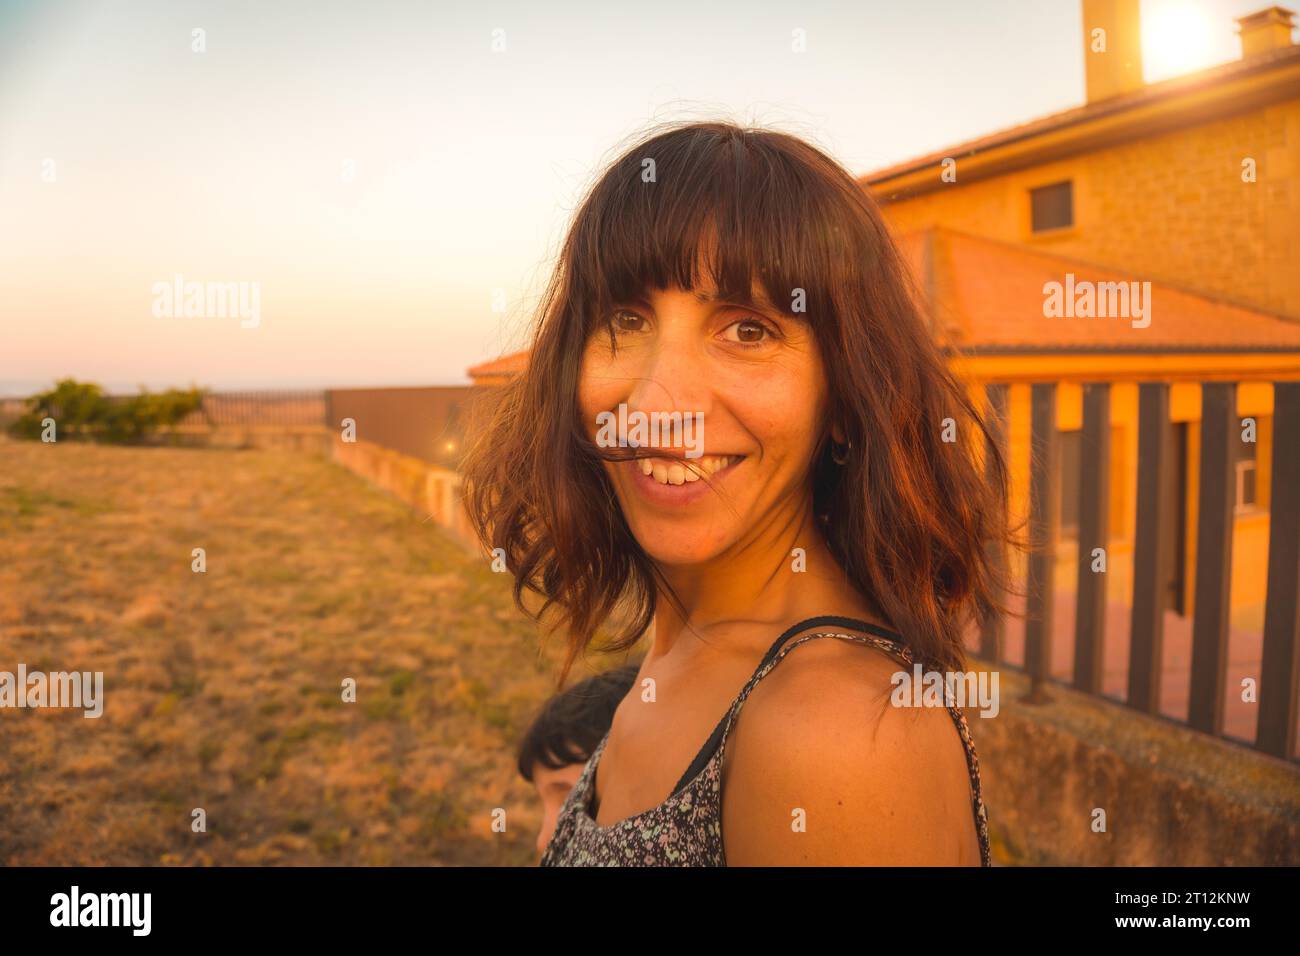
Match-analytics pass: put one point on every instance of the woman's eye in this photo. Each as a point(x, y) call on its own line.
point(626, 322)
point(748, 332)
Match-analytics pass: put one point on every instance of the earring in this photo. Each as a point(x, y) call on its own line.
point(841, 458)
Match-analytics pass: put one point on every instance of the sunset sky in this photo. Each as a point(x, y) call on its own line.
point(127, 158)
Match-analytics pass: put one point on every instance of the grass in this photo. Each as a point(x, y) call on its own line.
point(223, 690)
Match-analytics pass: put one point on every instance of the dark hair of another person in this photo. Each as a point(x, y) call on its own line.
point(571, 724)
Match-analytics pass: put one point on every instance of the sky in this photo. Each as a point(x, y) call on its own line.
point(393, 190)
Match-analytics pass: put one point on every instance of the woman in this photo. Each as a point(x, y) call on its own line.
point(742, 279)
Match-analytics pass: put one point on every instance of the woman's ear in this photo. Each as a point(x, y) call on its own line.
point(837, 434)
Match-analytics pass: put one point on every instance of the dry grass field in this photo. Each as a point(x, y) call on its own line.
point(223, 689)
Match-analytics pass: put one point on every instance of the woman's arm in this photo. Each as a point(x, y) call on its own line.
point(877, 785)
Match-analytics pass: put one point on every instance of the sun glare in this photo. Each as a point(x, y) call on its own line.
point(1176, 38)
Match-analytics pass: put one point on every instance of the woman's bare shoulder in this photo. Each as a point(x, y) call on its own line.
point(823, 769)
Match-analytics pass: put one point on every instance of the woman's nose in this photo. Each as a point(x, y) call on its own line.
point(675, 379)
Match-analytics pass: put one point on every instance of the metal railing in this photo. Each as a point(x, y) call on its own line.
point(1279, 667)
point(278, 407)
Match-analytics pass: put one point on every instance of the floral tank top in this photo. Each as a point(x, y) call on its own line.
point(686, 829)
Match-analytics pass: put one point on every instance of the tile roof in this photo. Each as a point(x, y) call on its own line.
point(990, 298)
point(505, 366)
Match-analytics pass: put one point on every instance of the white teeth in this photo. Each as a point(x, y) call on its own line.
point(677, 472)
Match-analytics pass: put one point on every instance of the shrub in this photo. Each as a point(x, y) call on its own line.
point(82, 410)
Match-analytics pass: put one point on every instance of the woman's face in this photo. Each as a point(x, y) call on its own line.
point(753, 377)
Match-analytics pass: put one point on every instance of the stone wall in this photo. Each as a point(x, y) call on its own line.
point(1171, 796)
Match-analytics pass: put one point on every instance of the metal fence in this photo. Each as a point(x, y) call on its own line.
point(11, 409)
point(1157, 533)
point(267, 407)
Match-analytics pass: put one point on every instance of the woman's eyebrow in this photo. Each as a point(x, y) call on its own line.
point(759, 302)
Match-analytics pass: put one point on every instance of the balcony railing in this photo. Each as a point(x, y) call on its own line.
point(1216, 501)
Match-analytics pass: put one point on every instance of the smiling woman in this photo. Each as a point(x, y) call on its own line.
point(741, 276)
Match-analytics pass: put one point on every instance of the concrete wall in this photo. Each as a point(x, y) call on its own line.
point(430, 489)
point(427, 424)
point(1172, 797)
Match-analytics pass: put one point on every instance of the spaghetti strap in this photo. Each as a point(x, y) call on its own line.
point(825, 620)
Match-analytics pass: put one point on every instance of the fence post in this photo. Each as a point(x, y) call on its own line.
point(991, 631)
point(1094, 515)
point(1043, 484)
point(1279, 675)
point(1219, 431)
point(1151, 548)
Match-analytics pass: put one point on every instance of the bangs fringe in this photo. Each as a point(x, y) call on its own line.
point(733, 217)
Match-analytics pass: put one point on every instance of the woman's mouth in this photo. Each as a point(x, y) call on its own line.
point(673, 482)
point(675, 471)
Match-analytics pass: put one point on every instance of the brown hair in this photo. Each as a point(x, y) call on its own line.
point(913, 520)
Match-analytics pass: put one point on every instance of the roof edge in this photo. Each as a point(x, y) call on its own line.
point(1170, 104)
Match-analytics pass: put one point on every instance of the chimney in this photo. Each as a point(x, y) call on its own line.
point(1112, 48)
point(1269, 29)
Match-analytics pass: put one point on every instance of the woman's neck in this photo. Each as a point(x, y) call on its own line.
point(762, 580)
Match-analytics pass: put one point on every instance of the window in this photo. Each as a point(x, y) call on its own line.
point(1069, 484)
point(1245, 466)
point(1052, 207)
